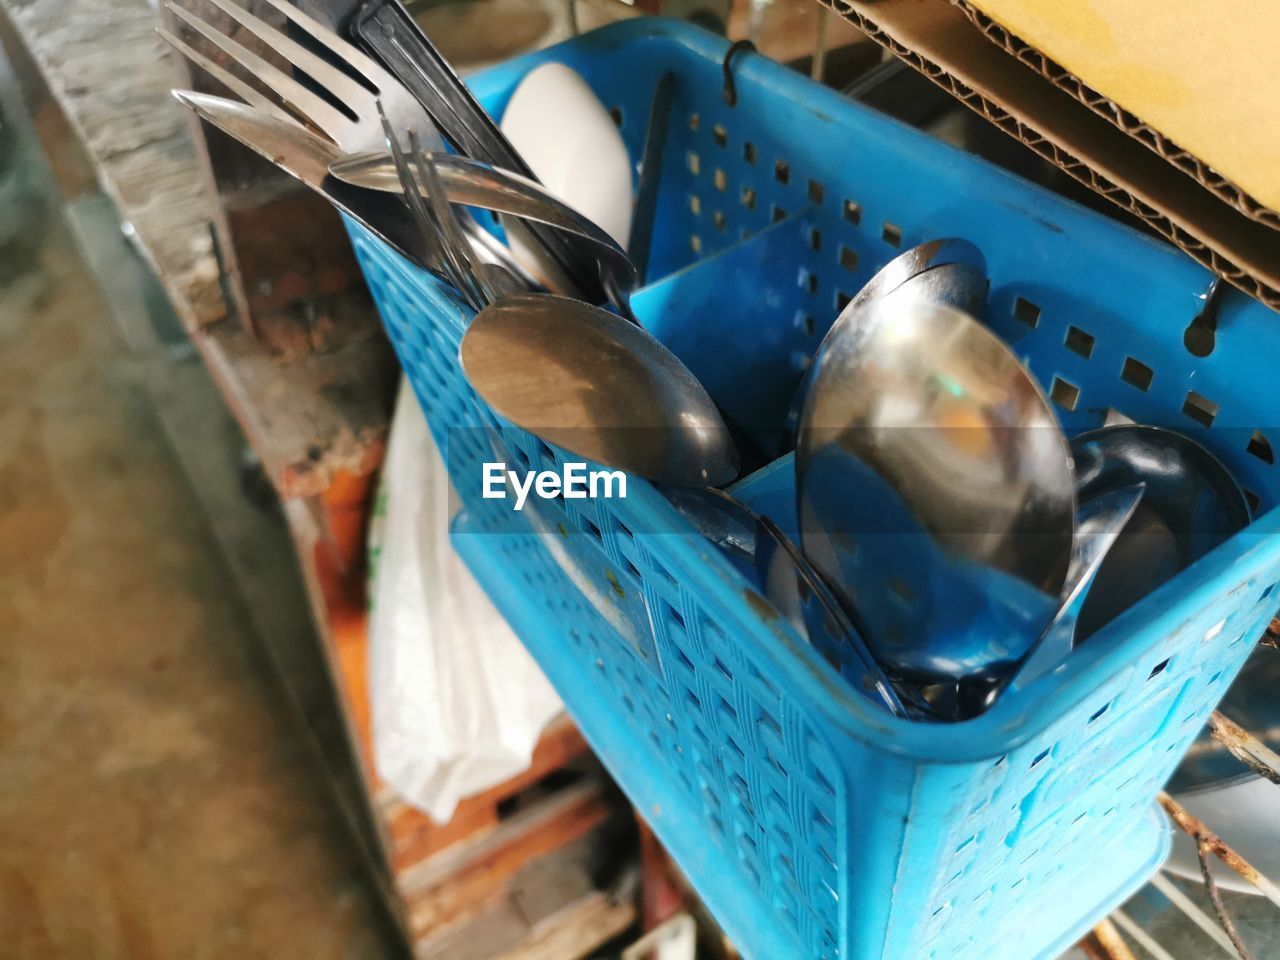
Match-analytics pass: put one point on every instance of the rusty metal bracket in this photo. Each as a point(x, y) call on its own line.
point(1198, 831)
point(1215, 898)
point(1245, 747)
point(1107, 944)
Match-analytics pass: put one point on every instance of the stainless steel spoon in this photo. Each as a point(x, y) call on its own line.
point(1192, 504)
point(935, 488)
point(768, 557)
point(477, 184)
point(600, 387)
point(1098, 525)
point(949, 270)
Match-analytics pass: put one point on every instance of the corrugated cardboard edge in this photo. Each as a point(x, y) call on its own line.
point(1221, 186)
point(1092, 176)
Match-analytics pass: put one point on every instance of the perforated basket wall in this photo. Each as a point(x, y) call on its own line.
point(813, 824)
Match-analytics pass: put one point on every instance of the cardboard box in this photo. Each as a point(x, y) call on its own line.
point(1198, 89)
point(1225, 225)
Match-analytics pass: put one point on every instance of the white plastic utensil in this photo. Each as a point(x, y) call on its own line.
point(571, 143)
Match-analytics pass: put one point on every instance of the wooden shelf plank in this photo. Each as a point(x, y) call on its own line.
point(110, 74)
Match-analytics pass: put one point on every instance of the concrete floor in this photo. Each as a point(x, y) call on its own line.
point(156, 800)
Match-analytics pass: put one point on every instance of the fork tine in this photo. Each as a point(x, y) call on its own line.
point(452, 241)
point(367, 67)
point(412, 198)
point(351, 93)
point(310, 105)
point(228, 79)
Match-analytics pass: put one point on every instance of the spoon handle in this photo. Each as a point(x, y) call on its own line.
point(388, 31)
point(477, 184)
point(1099, 524)
point(831, 614)
point(640, 243)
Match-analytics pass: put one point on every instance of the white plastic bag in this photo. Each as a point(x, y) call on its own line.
point(457, 703)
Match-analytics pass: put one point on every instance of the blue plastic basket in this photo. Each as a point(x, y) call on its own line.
point(813, 824)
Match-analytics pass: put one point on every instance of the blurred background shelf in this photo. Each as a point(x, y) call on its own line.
point(309, 380)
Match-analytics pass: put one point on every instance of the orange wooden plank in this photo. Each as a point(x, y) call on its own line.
point(454, 886)
point(416, 837)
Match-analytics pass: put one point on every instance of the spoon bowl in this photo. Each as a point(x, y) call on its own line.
point(1191, 504)
point(588, 381)
point(949, 270)
point(935, 487)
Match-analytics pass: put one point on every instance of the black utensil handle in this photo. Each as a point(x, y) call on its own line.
point(390, 34)
point(655, 143)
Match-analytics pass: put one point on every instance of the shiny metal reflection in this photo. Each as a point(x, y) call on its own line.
point(1192, 504)
point(590, 382)
point(935, 488)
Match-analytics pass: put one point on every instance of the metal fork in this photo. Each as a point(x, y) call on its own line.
point(456, 267)
point(364, 132)
point(452, 241)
